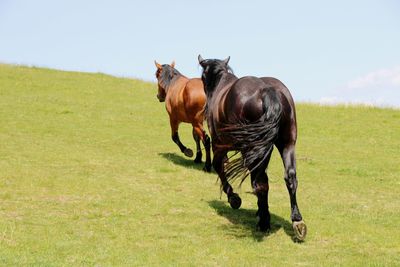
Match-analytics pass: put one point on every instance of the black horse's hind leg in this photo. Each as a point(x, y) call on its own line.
point(199, 154)
point(259, 182)
point(289, 161)
point(218, 163)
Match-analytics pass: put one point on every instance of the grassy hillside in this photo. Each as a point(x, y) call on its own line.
point(89, 176)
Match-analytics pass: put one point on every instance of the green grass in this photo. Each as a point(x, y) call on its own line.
point(89, 176)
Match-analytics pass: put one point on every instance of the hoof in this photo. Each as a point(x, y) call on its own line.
point(263, 224)
point(235, 201)
point(207, 168)
point(300, 230)
point(197, 160)
point(263, 227)
point(188, 152)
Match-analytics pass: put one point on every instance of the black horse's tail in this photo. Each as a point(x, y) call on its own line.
point(253, 140)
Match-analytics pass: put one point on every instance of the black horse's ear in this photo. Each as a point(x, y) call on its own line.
point(200, 59)
point(226, 60)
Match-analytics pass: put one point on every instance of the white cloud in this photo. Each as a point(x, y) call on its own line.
point(377, 88)
point(379, 78)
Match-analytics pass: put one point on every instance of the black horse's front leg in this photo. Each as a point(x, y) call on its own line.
point(207, 146)
point(218, 163)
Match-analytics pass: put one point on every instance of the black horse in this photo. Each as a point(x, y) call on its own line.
point(249, 115)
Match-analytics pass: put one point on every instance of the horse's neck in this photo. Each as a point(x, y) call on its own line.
point(216, 100)
point(175, 93)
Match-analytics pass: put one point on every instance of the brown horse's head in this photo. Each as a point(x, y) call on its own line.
point(164, 75)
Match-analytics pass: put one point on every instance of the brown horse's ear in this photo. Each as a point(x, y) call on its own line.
point(157, 65)
point(227, 60)
point(173, 64)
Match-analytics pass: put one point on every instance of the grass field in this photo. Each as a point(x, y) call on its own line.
point(89, 176)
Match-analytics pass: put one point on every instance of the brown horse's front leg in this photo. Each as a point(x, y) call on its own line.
point(218, 163)
point(175, 137)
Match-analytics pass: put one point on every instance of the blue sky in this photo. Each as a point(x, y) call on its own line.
point(324, 51)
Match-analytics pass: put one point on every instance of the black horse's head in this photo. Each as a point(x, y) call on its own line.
point(213, 69)
point(165, 75)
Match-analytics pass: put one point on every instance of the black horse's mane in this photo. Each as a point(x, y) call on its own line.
point(167, 76)
point(217, 68)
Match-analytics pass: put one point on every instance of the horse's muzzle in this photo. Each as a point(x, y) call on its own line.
point(160, 98)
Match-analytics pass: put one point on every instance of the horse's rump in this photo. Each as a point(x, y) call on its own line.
point(252, 140)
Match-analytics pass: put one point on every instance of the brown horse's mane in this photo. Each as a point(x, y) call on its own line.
point(167, 76)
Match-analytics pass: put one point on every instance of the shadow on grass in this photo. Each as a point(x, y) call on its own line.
point(247, 220)
point(182, 160)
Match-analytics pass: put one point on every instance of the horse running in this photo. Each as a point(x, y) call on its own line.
point(250, 115)
point(184, 100)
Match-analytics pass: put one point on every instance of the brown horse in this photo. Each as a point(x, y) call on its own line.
point(250, 115)
point(184, 100)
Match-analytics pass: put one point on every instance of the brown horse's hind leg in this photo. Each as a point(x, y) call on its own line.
point(175, 137)
point(289, 161)
point(199, 133)
point(218, 163)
